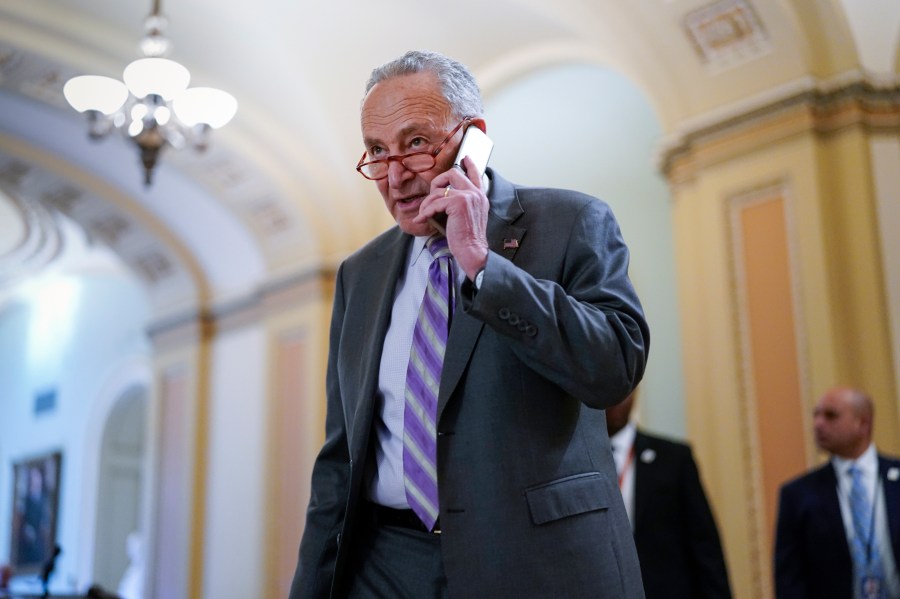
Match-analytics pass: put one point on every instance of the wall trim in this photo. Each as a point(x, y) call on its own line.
point(807, 104)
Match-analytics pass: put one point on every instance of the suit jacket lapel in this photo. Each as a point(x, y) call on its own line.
point(379, 282)
point(642, 479)
point(504, 238)
point(831, 516)
point(891, 500)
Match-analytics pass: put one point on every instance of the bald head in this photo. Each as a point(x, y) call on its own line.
point(843, 422)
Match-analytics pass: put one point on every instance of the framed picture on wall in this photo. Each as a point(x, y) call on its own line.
point(35, 508)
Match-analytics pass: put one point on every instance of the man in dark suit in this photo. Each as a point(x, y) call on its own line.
point(546, 331)
point(674, 529)
point(825, 548)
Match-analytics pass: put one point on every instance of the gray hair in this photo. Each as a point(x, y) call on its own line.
point(457, 83)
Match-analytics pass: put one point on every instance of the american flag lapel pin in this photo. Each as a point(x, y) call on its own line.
point(510, 244)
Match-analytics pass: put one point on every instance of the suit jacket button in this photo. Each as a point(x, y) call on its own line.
point(531, 330)
point(503, 313)
point(514, 319)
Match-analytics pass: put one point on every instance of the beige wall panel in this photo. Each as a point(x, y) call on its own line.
point(831, 272)
point(171, 564)
point(297, 322)
point(775, 384)
point(170, 536)
point(291, 489)
point(886, 161)
point(862, 344)
point(712, 379)
point(721, 415)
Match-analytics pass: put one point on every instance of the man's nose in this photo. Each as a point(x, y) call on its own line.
point(397, 173)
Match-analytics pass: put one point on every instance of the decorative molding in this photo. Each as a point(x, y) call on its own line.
point(300, 288)
point(187, 329)
point(802, 106)
point(40, 193)
point(275, 297)
point(727, 34)
point(41, 243)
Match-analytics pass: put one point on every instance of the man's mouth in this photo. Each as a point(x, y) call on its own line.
point(410, 200)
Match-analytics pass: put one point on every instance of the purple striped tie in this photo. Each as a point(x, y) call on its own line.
point(423, 378)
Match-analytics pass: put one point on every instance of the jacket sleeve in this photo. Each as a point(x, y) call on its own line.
point(570, 310)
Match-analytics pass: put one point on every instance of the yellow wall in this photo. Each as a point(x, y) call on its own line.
point(782, 296)
point(297, 324)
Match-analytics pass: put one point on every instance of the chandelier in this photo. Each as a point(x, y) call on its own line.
point(154, 107)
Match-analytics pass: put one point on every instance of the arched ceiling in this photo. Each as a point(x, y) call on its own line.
point(276, 194)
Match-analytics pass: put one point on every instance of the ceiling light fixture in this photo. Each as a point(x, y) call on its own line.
point(154, 106)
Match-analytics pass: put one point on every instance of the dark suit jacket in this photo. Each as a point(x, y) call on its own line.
point(812, 557)
point(529, 501)
point(674, 529)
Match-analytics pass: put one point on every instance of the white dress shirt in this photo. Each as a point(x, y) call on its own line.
point(622, 444)
point(386, 486)
point(867, 464)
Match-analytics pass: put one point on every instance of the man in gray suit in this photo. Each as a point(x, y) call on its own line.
point(546, 332)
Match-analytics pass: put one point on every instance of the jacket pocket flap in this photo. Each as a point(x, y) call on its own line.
point(567, 497)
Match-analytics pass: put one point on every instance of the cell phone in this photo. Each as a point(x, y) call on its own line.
point(477, 146)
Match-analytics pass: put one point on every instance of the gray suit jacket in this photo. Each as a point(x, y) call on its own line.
point(529, 500)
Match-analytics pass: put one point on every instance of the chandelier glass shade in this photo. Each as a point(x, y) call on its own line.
point(152, 105)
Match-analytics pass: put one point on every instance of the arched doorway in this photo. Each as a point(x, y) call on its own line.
point(121, 483)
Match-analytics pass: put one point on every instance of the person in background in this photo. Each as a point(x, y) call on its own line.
point(131, 585)
point(5, 576)
point(35, 537)
point(467, 373)
point(838, 530)
point(674, 529)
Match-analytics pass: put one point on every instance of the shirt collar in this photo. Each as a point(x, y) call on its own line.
point(418, 246)
point(867, 462)
point(624, 439)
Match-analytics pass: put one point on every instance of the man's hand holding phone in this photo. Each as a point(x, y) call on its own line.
point(476, 146)
point(459, 199)
point(457, 205)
